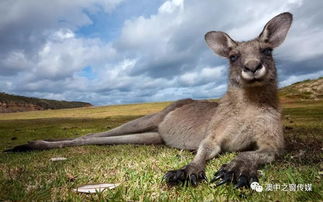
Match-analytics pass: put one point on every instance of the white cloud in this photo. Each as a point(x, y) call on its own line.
point(63, 34)
point(171, 6)
point(209, 73)
point(67, 54)
point(304, 44)
point(202, 76)
point(189, 78)
point(17, 60)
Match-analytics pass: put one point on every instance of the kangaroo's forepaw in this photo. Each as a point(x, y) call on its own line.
point(190, 174)
point(239, 173)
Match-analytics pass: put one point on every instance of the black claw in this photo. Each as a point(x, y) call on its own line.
point(216, 173)
point(183, 183)
point(186, 183)
point(175, 177)
point(228, 175)
point(166, 177)
point(202, 176)
point(170, 177)
point(221, 170)
point(218, 176)
point(215, 179)
point(179, 175)
point(242, 182)
point(193, 179)
point(221, 182)
point(186, 176)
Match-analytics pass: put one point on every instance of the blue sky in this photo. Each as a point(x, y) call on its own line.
point(129, 51)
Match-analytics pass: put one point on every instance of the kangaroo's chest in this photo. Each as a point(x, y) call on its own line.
point(238, 131)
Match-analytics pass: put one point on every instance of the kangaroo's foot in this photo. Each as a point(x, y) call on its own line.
point(30, 146)
point(191, 173)
point(237, 172)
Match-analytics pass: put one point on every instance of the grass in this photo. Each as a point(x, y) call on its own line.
point(304, 90)
point(32, 176)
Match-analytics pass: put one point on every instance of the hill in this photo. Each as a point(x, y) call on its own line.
point(303, 90)
point(15, 103)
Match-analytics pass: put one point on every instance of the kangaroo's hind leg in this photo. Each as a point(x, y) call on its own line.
point(148, 123)
point(142, 128)
point(142, 124)
point(138, 138)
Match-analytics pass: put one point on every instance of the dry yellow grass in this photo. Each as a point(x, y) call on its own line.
point(89, 112)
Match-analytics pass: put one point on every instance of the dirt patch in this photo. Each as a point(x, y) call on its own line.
point(302, 150)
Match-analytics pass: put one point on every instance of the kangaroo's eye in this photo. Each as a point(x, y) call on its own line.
point(267, 51)
point(233, 58)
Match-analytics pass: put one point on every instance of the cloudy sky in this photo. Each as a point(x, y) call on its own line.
point(130, 51)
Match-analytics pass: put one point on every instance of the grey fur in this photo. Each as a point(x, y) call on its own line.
point(248, 116)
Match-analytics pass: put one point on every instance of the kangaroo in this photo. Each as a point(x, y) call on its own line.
point(246, 119)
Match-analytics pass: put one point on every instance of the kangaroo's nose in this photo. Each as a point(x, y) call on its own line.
point(252, 66)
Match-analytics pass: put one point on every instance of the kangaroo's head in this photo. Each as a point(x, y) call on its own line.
point(251, 62)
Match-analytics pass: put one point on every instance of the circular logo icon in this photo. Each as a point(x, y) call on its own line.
point(254, 185)
point(259, 188)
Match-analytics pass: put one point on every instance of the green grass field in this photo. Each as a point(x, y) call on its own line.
point(139, 169)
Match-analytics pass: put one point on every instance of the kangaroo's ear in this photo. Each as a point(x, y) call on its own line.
point(220, 42)
point(276, 29)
